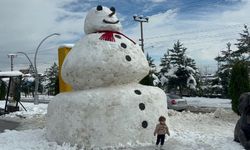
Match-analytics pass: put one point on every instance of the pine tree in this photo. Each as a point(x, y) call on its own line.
point(239, 83)
point(177, 54)
point(52, 77)
point(191, 63)
point(243, 45)
point(150, 62)
point(226, 61)
point(180, 69)
point(149, 80)
point(165, 63)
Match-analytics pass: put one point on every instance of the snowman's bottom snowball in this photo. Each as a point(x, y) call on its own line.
point(103, 117)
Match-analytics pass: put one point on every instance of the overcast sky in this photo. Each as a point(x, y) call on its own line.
point(204, 26)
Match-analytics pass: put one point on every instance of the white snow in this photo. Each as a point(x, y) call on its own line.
point(10, 73)
point(83, 117)
point(189, 131)
point(191, 82)
point(29, 78)
point(32, 110)
point(163, 80)
point(66, 45)
point(208, 102)
point(190, 69)
point(171, 72)
point(156, 80)
point(96, 63)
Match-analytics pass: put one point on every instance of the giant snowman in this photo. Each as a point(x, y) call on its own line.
point(107, 107)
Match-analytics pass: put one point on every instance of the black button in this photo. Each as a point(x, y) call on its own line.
point(99, 8)
point(128, 58)
point(138, 92)
point(142, 106)
point(123, 45)
point(144, 124)
point(118, 36)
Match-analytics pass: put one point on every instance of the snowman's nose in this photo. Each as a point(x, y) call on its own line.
point(113, 11)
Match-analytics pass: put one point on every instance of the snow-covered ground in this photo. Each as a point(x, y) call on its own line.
point(189, 131)
point(208, 102)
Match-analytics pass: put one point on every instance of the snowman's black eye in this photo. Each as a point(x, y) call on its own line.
point(112, 9)
point(99, 8)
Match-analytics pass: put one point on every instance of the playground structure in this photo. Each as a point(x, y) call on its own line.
point(12, 99)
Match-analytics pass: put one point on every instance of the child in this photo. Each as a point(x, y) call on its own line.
point(161, 129)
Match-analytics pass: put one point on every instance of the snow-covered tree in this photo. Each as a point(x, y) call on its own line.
point(229, 57)
point(51, 75)
point(165, 63)
point(151, 62)
point(190, 62)
point(226, 61)
point(243, 45)
point(177, 54)
point(178, 70)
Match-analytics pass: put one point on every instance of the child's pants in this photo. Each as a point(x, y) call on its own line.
point(160, 138)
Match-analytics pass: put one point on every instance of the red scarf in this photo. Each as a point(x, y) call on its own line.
point(109, 36)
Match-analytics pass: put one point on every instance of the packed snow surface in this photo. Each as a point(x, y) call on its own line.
point(189, 131)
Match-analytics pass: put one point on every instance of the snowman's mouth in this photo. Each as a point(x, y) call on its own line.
point(110, 22)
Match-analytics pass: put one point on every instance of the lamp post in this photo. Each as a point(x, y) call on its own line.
point(31, 64)
point(141, 19)
point(11, 56)
point(36, 101)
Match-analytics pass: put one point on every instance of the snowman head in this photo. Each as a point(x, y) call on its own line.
point(101, 19)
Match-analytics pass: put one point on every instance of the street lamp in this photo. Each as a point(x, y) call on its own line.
point(11, 56)
point(31, 64)
point(35, 68)
point(141, 19)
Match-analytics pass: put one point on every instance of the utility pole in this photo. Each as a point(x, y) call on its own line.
point(141, 19)
point(12, 56)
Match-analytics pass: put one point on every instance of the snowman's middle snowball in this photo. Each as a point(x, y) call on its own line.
point(94, 63)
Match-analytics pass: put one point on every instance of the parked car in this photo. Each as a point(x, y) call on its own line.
point(176, 102)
